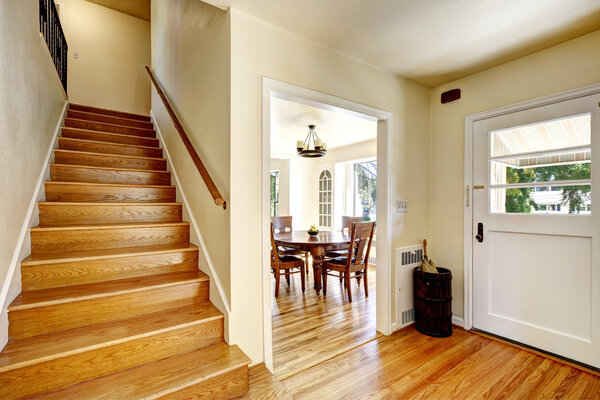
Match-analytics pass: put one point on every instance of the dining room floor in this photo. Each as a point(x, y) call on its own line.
point(308, 330)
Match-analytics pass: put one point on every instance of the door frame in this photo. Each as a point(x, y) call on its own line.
point(468, 176)
point(383, 296)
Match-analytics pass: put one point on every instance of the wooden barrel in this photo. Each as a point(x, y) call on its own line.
point(433, 302)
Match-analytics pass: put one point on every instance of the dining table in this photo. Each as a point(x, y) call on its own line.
point(316, 245)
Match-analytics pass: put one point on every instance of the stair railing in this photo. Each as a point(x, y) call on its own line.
point(212, 188)
point(52, 31)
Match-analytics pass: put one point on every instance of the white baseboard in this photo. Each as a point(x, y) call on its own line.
point(221, 301)
point(12, 285)
point(458, 321)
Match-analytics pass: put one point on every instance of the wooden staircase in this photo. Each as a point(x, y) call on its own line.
point(113, 303)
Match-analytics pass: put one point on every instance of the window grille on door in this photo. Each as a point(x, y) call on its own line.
point(542, 168)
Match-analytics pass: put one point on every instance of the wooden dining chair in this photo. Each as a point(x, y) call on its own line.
point(285, 265)
point(284, 224)
point(346, 228)
point(356, 261)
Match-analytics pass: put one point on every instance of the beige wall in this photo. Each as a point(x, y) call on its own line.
point(113, 50)
point(31, 99)
point(190, 57)
point(261, 49)
point(567, 66)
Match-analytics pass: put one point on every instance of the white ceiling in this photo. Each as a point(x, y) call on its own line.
point(430, 41)
point(290, 120)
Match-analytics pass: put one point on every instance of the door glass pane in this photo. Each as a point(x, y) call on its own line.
point(547, 169)
point(542, 136)
point(542, 200)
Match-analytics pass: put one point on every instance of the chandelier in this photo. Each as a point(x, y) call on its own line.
point(319, 149)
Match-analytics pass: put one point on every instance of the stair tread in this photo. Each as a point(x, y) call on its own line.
point(98, 115)
point(23, 352)
point(72, 256)
point(104, 143)
point(77, 106)
point(108, 226)
point(159, 378)
point(110, 168)
point(108, 154)
point(108, 123)
point(108, 133)
point(65, 294)
point(108, 184)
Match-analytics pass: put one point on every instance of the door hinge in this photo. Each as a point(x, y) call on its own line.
point(468, 190)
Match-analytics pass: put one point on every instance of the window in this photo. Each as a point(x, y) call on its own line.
point(365, 190)
point(274, 193)
point(325, 200)
point(542, 168)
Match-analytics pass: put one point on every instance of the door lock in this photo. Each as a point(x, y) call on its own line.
point(479, 235)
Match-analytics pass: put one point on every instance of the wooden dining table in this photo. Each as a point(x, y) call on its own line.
point(316, 245)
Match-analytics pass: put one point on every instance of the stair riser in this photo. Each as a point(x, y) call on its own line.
point(65, 192)
point(109, 137)
point(109, 120)
point(52, 318)
point(102, 127)
point(104, 111)
point(228, 385)
point(56, 241)
point(69, 214)
point(65, 371)
point(108, 148)
point(92, 175)
point(104, 160)
point(45, 276)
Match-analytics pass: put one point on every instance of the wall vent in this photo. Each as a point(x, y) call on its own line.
point(408, 316)
point(407, 258)
point(412, 256)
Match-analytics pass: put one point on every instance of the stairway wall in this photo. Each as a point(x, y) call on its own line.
point(191, 60)
point(113, 49)
point(31, 101)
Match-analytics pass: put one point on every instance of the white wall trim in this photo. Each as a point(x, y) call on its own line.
point(214, 277)
point(468, 176)
point(11, 286)
point(272, 87)
point(458, 321)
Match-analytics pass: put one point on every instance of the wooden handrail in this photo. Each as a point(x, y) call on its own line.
point(212, 188)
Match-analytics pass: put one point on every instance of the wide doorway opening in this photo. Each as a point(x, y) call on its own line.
point(322, 289)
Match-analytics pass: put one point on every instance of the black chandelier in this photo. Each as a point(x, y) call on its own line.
point(319, 149)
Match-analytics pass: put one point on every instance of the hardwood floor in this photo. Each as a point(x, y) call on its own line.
point(329, 349)
point(308, 330)
point(409, 365)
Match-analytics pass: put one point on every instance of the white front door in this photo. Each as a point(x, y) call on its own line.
point(536, 259)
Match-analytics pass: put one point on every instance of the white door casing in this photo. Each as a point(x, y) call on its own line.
point(536, 278)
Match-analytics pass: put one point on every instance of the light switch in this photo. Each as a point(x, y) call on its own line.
point(402, 206)
point(75, 54)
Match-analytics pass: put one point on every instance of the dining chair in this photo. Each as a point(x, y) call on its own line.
point(346, 228)
point(356, 261)
point(285, 265)
point(284, 224)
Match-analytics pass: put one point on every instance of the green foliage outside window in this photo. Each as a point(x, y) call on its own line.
point(520, 201)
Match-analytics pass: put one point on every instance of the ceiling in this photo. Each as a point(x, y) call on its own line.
point(336, 127)
point(430, 41)
point(136, 8)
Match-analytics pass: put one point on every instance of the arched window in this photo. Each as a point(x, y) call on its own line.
point(325, 199)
